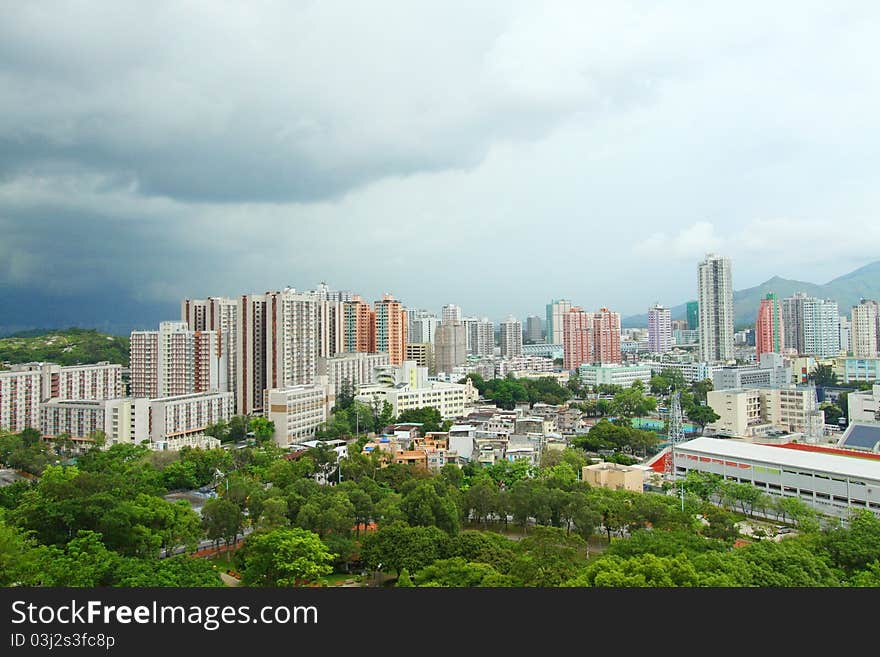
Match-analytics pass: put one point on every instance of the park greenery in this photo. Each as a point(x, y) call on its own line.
point(73, 346)
point(506, 393)
point(108, 520)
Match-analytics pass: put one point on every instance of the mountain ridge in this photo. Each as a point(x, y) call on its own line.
point(847, 290)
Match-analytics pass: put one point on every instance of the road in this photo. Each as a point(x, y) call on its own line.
point(181, 549)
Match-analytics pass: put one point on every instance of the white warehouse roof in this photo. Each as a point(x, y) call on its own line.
point(842, 465)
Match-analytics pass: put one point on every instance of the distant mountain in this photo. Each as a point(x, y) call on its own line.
point(847, 290)
point(66, 347)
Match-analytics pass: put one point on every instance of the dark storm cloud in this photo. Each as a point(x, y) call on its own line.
point(283, 103)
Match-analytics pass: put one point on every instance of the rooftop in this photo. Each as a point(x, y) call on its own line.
point(861, 436)
point(844, 465)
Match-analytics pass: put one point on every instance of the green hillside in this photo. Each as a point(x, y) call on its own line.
point(71, 346)
point(846, 290)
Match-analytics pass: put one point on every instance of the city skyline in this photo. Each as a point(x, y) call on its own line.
point(145, 176)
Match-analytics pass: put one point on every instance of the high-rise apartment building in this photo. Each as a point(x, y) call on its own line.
point(577, 338)
point(864, 329)
point(220, 315)
point(330, 327)
point(389, 333)
point(251, 354)
point(693, 315)
point(606, 337)
point(451, 314)
point(358, 325)
point(450, 346)
point(555, 311)
point(715, 301)
point(324, 293)
point(20, 393)
point(793, 322)
point(845, 335)
point(421, 326)
point(174, 361)
point(821, 326)
point(480, 336)
point(98, 381)
point(534, 333)
point(769, 327)
point(659, 329)
point(291, 339)
point(423, 355)
point(511, 337)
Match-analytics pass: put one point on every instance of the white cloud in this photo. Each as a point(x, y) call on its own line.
point(690, 243)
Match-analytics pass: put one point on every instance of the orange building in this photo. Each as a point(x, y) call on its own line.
point(389, 329)
point(768, 327)
point(358, 325)
point(577, 338)
point(606, 337)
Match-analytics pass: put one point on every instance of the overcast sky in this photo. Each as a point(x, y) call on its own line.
point(493, 155)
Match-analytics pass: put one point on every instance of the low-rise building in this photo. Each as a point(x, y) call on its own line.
point(182, 415)
point(772, 372)
point(552, 351)
point(407, 387)
point(422, 353)
point(298, 411)
point(863, 437)
point(521, 364)
point(690, 370)
point(830, 483)
point(864, 406)
point(857, 370)
point(620, 375)
point(78, 419)
point(751, 412)
point(358, 368)
point(614, 476)
point(20, 394)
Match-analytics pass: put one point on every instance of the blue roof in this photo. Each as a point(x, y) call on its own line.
point(862, 436)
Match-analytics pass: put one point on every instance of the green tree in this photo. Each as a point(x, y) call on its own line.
point(15, 555)
point(833, 413)
point(344, 395)
point(456, 572)
point(330, 512)
point(222, 519)
point(700, 390)
point(823, 375)
point(405, 581)
point(547, 557)
point(702, 415)
point(854, 547)
point(428, 416)
point(219, 430)
point(659, 384)
point(282, 557)
point(425, 505)
point(237, 428)
point(643, 570)
point(274, 514)
point(386, 416)
point(400, 546)
point(177, 572)
point(262, 429)
point(83, 562)
point(480, 500)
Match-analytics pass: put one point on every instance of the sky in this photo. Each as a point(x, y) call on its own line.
point(495, 155)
